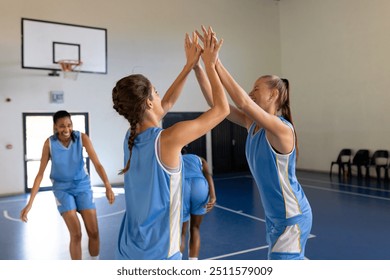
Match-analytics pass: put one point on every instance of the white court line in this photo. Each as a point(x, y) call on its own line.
point(343, 184)
point(346, 192)
point(328, 189)
point(240, 213)
point(246, 251)
point(238, 253)
point(112, 214)
point(7, 216)
point(247, 215)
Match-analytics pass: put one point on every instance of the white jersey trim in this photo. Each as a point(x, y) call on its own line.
point(175, 213)
point(291, 203)
point(289, 241)
point(175, 192)
point(157, 153)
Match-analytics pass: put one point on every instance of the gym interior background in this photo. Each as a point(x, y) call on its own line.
point(335, 54)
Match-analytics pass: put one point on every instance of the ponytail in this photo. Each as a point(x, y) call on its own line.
point(283, 86)
point(286, 110)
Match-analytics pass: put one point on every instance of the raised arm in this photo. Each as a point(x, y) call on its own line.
point(174, 138)
point(280, 136)
point(98, 167)
point(38, 179)
point(236, 115)
point(239, 96)
point(193, 51)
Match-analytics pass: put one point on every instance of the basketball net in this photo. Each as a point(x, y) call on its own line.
point(70, 68)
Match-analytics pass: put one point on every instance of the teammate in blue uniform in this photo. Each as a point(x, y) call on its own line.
point(199, 198)
point(151, 226)
point(271, 150)
point(71, 183)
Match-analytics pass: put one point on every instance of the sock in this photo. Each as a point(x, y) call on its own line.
point(192, 258)
point(94, 257)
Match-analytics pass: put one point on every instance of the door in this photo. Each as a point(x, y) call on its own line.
point(228, 146)
point(197, 147)
point(37, 128)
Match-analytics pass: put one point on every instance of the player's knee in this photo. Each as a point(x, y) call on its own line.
point(76, 236)
point(93, 234)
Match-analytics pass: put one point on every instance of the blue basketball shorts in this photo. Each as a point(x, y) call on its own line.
point(195, 197)
point(73, 196)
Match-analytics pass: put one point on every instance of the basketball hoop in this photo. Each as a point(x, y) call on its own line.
point(70, 68)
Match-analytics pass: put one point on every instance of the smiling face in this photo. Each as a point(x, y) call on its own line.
point(64, 127)
point(262, 95)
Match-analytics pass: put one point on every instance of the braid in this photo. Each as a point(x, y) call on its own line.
point(129, 97)
point(130, 143)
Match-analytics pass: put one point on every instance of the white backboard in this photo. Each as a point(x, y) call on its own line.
point(44, 43)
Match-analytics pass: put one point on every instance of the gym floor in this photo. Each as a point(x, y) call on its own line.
point(351, 221)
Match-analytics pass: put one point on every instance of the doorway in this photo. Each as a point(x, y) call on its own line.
point(37, 127)
point(228, 146)
point(197, 147)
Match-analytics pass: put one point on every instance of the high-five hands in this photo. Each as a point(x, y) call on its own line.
point(192, 49)
point(211, 45)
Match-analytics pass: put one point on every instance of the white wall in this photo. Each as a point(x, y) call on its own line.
point(336, 55)
point(143, 36)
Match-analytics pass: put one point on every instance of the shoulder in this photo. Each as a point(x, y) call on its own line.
point(286, 122)
point(78, 133)
point(84, 138)
point(47, 142)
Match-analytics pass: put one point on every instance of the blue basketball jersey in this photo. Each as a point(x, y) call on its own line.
point(151, 226)
point(67, 162)
point(192, 166)
point(281, 194)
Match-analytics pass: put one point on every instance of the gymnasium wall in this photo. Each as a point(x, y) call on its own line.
point(336, 55)
point(143, 36)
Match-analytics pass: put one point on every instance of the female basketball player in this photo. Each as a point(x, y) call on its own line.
point(199, 198)
point(151, 226)
point(271, 149)
point(71, 183)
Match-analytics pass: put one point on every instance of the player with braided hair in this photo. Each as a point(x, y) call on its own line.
point(151, 226)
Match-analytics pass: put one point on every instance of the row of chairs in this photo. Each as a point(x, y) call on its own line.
point(362, 159)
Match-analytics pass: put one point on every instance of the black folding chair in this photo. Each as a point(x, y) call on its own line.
point(361, 160)
point(343, 161)
point(379, 161)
